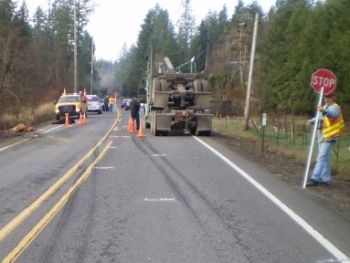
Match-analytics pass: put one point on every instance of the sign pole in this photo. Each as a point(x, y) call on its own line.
point(263, 124)
point(313, 139)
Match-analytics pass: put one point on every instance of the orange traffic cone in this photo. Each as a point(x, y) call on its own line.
point(141, 132)
point(66, 120)
point(129, 124)
point(132, 125)
point(85, 118)
point(81, 121)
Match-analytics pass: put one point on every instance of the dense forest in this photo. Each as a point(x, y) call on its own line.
point(294, 39)
point(36, 54)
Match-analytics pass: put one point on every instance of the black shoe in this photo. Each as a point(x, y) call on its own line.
point(311, 183)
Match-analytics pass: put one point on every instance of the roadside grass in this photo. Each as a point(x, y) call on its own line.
point(43, 113)
point(28, 116)
point(289, 136)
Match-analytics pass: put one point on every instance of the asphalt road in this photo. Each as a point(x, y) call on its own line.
point(160, 199)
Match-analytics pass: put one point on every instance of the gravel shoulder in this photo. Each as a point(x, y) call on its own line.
point(336, 196)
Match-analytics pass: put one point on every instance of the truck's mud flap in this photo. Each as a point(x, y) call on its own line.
point(204, 125)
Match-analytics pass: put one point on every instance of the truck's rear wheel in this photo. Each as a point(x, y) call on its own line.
point(155, 132)
point(203, 133)
point(153, 124)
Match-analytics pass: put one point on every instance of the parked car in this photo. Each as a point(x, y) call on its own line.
point(73, 104)
point(94, 104)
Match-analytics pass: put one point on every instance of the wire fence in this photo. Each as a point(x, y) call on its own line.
point(289, 133)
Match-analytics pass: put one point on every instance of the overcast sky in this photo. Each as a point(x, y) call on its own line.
point(117, 22)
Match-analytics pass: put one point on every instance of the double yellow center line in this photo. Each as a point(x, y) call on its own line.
point(14, 223)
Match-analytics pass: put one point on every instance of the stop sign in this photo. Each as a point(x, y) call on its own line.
point(324, 78)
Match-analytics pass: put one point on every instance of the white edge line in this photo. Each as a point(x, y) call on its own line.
point(54, 128)
point(12, 145)
point(299, 220)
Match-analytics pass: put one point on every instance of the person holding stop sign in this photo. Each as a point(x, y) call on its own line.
point(330, 127)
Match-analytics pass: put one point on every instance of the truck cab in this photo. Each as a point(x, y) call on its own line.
point(73, 104)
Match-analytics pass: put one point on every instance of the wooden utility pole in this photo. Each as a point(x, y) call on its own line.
point(250, 76)
point(241, 67)
point(92, 66)
point(75, 50)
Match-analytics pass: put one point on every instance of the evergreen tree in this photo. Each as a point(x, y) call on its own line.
point(14, 53)
point(282, 58)
point(200, 45)
point(186, 29)
point(63, 38)
point(156, 31)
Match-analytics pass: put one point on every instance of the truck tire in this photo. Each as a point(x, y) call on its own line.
point(153, 124)
point(203, 133)
point(154, 131)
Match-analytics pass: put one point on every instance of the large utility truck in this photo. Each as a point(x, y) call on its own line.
point(177, 103)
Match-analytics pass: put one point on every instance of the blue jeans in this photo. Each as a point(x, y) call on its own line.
point(322, 170)
point(136, 117)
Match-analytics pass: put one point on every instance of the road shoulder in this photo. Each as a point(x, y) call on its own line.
point(286, 168)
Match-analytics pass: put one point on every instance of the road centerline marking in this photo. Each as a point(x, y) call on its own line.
point(161, 199)
point(30, 209)
point(51, 214)
point(104, 167)
point(159, 155)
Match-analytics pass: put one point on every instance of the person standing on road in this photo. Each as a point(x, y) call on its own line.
point(135, 111)
point(105, 102)
point(330, 128)
point(111, 102)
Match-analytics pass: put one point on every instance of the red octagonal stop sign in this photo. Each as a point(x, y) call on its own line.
point(324, 78)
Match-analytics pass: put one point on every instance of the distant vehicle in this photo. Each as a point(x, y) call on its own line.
point(94, 104)
point(73, 104)
point(178, 102)
point(125, 104)
point(102, 104)
point(143, 106)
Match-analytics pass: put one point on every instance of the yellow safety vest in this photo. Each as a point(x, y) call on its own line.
point(333, 128)
point(111, 100)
